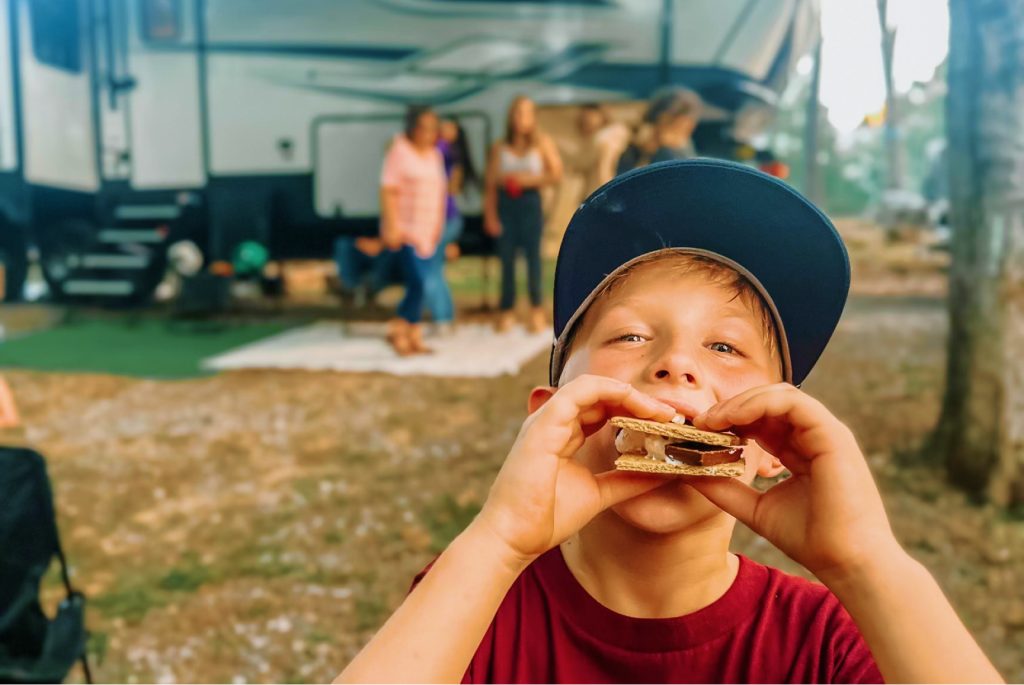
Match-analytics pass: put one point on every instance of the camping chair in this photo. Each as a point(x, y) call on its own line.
point(33, 648)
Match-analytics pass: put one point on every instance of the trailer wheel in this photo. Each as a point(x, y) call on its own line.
point(14, 257)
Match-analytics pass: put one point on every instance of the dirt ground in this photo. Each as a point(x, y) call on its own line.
point(260, 526)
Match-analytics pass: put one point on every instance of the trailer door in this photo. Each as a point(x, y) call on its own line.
point(149, 93)
point(113, 86)
point(59, 141)
point(164, 44)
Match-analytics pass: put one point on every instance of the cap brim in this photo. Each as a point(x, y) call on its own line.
point(788, 249)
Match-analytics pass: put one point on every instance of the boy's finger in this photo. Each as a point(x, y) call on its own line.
point(619, 486)
point(712, 418)
point(795, 408)
point(781, 402)
point(737, 499)
point(595, 414)
point(586, 391)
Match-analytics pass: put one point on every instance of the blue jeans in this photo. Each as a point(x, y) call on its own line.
point(415, 270)
point(438, 295)
point(522, 225)
point(359, 270)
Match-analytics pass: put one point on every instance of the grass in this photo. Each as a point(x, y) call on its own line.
point(370, 612)
point(264, 562)
point(471, 278)
point(96, 647)
point(132, 601)
point(333, 537)
point(445, 518)
point(188, 577)
point(146, 347)
point(137, 594)
point(306, 488)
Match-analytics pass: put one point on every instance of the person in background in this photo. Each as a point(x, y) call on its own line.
point(600, 143)
point(364, 268)
point(413, 202)
point(519, 166)
point(458, 166)
point(770, 164)
point(666, 131)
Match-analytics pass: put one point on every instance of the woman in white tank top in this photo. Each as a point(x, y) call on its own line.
point(520, 164)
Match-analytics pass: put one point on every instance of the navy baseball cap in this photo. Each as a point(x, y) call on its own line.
point(755, 223)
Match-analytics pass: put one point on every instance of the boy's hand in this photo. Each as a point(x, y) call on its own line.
point(542, 495)
point(828, 516)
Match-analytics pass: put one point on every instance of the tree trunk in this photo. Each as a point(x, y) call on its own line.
point(812, 136)
point(980, 435)
point(893, 142)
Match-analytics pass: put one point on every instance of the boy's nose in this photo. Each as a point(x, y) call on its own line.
point(688, 378)
point(663, 374)
point(676, 366)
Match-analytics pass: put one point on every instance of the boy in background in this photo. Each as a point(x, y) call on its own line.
point(704, 289)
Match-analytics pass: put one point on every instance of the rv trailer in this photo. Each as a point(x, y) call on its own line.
point(126, 125)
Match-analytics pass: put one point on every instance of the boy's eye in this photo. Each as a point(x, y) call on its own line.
point(723, 347)
point(630, 338)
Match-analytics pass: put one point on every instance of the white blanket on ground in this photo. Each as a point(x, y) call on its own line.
point(472, 350)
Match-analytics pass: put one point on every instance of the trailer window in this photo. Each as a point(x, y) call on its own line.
point(161, 20)
point(55, 36)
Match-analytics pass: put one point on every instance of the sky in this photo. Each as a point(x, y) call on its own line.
point(852, 82)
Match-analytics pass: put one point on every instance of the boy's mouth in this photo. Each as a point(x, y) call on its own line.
point(685, 411)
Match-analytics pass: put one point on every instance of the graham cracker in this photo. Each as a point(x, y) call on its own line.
point(677, 431)
point(631, 462)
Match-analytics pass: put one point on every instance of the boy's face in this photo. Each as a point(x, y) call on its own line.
point(688, 342)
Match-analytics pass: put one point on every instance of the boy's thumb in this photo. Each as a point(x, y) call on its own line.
point(737, 499)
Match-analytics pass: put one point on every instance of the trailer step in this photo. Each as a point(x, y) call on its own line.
point(114, 261)
point(97, 287)
point(141, 212)
point(131, 235)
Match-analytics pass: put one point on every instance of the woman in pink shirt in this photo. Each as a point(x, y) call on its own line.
point(413, 202)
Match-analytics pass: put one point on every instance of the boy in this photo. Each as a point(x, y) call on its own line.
point(706, 289)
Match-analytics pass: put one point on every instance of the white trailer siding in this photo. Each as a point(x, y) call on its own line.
point(273, 67)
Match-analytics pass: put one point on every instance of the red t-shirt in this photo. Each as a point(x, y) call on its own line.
point(769, 627)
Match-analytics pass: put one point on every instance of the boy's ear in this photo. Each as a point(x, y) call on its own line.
point(770, 466)
point(539, 396)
